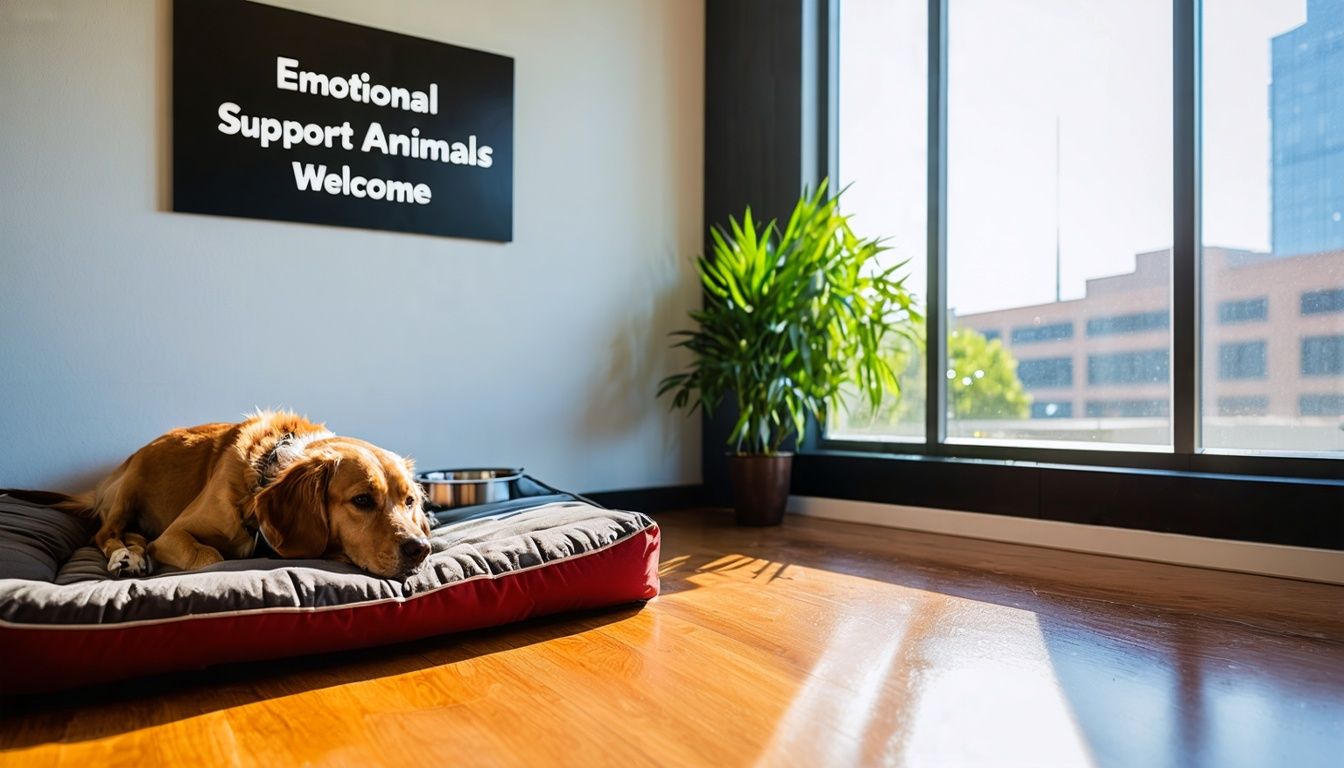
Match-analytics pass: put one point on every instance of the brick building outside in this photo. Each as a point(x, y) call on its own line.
point(1098, 367)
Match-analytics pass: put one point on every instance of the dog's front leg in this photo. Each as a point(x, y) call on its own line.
point(124, 550)
point(181, 550)
point(126, 555)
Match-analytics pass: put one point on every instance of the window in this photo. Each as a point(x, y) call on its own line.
point(1060, 171)
point(1323, 356)
point(1128, 409)
point(882, 83)
point(1243, 310)
point(1321, 405)
point(1147, 367)
point(1272, 200)
point(1052, 409)
point(1030, 334)
point(1055, 205)
point(1241, 360)
point(1323, 302)
point(1253, 405)
point(1140, 322)
point(1046, 373)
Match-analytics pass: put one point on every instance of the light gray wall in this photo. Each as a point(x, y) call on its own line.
point(119, 320)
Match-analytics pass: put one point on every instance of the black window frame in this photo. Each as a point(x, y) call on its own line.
point(1185, 453)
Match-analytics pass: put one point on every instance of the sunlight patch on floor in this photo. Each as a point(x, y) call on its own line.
point(852, 653)
point(946, 681)
point(992, 697)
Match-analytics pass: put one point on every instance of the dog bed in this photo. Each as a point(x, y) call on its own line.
point(65, 622)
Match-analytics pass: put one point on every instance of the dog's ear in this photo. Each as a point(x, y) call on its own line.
point(292, 511)
point(421, 518)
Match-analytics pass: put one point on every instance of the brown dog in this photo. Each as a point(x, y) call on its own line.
point(203, 494)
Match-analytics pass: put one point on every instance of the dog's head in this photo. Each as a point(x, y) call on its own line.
point(346, 499)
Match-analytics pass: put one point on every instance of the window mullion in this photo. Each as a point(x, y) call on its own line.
point(935, 343)
point(1185, 368)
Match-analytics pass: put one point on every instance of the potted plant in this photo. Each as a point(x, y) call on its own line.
point(792, 321)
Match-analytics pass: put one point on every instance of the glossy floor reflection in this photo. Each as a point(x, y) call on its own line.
point(971, 653)
point(813, 644)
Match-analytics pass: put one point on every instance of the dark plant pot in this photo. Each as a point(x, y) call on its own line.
point(760, 487)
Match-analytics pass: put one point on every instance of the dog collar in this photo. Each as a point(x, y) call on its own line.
point(286, 451)
point(268, 466)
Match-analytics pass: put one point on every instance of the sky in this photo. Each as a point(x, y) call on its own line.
point(1100, 70)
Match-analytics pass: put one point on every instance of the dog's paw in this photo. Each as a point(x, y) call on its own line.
point(124, 562)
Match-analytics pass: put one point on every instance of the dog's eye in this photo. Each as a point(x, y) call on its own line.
point(410, 501)
point(363, 501)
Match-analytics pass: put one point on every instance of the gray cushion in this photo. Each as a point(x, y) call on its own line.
point(35, 541)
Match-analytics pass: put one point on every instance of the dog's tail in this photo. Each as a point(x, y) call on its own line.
point(81, 505)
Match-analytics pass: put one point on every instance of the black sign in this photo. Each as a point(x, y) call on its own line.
point(284, 115)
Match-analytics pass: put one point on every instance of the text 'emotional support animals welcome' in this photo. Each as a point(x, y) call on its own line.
point(288, 134)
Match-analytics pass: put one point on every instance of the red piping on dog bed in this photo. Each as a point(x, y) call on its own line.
point(49, 659)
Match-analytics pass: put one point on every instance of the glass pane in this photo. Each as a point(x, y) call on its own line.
point(882, 144)
point(1273, 218)
point(1059, 222)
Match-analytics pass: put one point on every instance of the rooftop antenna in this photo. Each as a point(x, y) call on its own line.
point(1057, 259)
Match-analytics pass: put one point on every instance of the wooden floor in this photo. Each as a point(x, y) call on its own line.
point(813, 644)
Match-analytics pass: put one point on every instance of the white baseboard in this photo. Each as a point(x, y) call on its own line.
point(1264, 559)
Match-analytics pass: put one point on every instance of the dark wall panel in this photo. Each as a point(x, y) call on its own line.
point(753, 139)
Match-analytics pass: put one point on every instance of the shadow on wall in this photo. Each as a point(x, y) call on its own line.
point(665, 287)
point(641, 355)
point(80, 480)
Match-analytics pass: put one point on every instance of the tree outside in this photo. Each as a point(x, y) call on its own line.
point(982, 378)
point(982, 384)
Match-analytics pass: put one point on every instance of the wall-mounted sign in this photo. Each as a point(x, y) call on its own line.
point(284, 115)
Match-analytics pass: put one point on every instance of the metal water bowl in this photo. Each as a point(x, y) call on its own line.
point(451, 488)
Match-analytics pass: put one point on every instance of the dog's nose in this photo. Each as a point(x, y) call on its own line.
point(414, 550)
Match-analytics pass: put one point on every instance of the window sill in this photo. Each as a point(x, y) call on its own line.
point(1289, 510)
